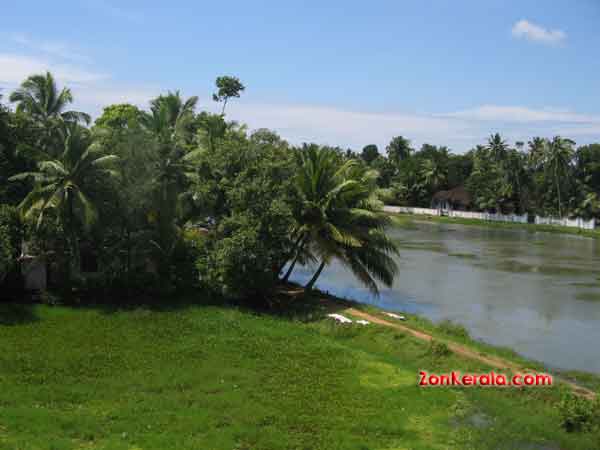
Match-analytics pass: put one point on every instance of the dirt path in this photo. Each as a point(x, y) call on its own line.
point(493, 361)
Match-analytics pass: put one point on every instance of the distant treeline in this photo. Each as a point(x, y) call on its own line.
point(548, 177)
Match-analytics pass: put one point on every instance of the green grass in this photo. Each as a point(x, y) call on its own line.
point(405, 219)
point(217, 377)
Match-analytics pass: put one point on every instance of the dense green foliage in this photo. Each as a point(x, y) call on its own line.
point(248, 185)
point(549, 178)
point(341, 217)
point(170, 198)
point(147, 202)
point(10, 239)
point(579, 414)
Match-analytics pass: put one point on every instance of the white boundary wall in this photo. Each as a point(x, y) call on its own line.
point(463, 214)
point(573, 223)
point(514, 218)
point(411, 210)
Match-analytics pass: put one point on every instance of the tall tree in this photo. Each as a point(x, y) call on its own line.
point(536, 153)
point(433, 173)
point(60, 189)
point(40, 97)
point(342, 218)
point(170, 122)
point(227, 87)
point(399, 149)
point(559, 153)
point(369, 153)
point(497, 147)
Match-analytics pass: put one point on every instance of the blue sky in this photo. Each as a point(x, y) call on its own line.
point(337, 72)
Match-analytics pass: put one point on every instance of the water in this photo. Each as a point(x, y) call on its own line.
point(537, 293)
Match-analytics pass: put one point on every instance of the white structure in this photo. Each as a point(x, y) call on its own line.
point(489, 217)
point(411, 210)
point(514, 218)
point(34, 272)
point(339, 318)
point(453, 213)
point(578, 222)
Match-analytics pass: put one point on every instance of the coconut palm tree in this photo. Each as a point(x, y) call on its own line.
point(170, 117)
point(341, 217)
point(60, 189)
point(39, 97)
point(433, 174)
point(170, 123)
point(399, 149)
point(497, 147)
point(536, 152)
point(558, 156)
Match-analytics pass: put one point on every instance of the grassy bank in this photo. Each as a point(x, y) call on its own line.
point(405, 218)
point(218, 377)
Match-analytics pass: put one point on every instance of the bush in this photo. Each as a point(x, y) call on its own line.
point(242, 256)
point(10, 240)
point(578, 413)
point(184, 273)
point(453, 329)
point(438, 349)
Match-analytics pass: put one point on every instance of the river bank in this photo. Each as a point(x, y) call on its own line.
point(536, 293)
point(530, 227)
point(458, 339)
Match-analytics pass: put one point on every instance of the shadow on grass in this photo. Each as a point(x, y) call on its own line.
point(288, 301)
point(17, 314)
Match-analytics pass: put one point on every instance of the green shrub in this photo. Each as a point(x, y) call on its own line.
point(241, 257)
point(184, 273)
point(578, 413)
point(438, 349)
point(453, 329)
point(10, 239)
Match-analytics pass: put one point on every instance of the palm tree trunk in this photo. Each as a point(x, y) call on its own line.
point(313, 280)
point(293, 251)
point(289, 272)
point(558, 192)
point(70, 232)
point(224, 105)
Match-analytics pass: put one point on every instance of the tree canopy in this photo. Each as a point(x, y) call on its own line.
point(173, 196)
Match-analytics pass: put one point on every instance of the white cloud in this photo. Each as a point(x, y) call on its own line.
point(91, 90)
point(58, 49)
point(524, 29)
point(94, 97)
point(460, 130)
point(333, 126)
point(522, 114)
point(15, 68)
point(590, 131)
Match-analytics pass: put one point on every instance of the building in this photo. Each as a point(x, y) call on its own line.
point(457, 199)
